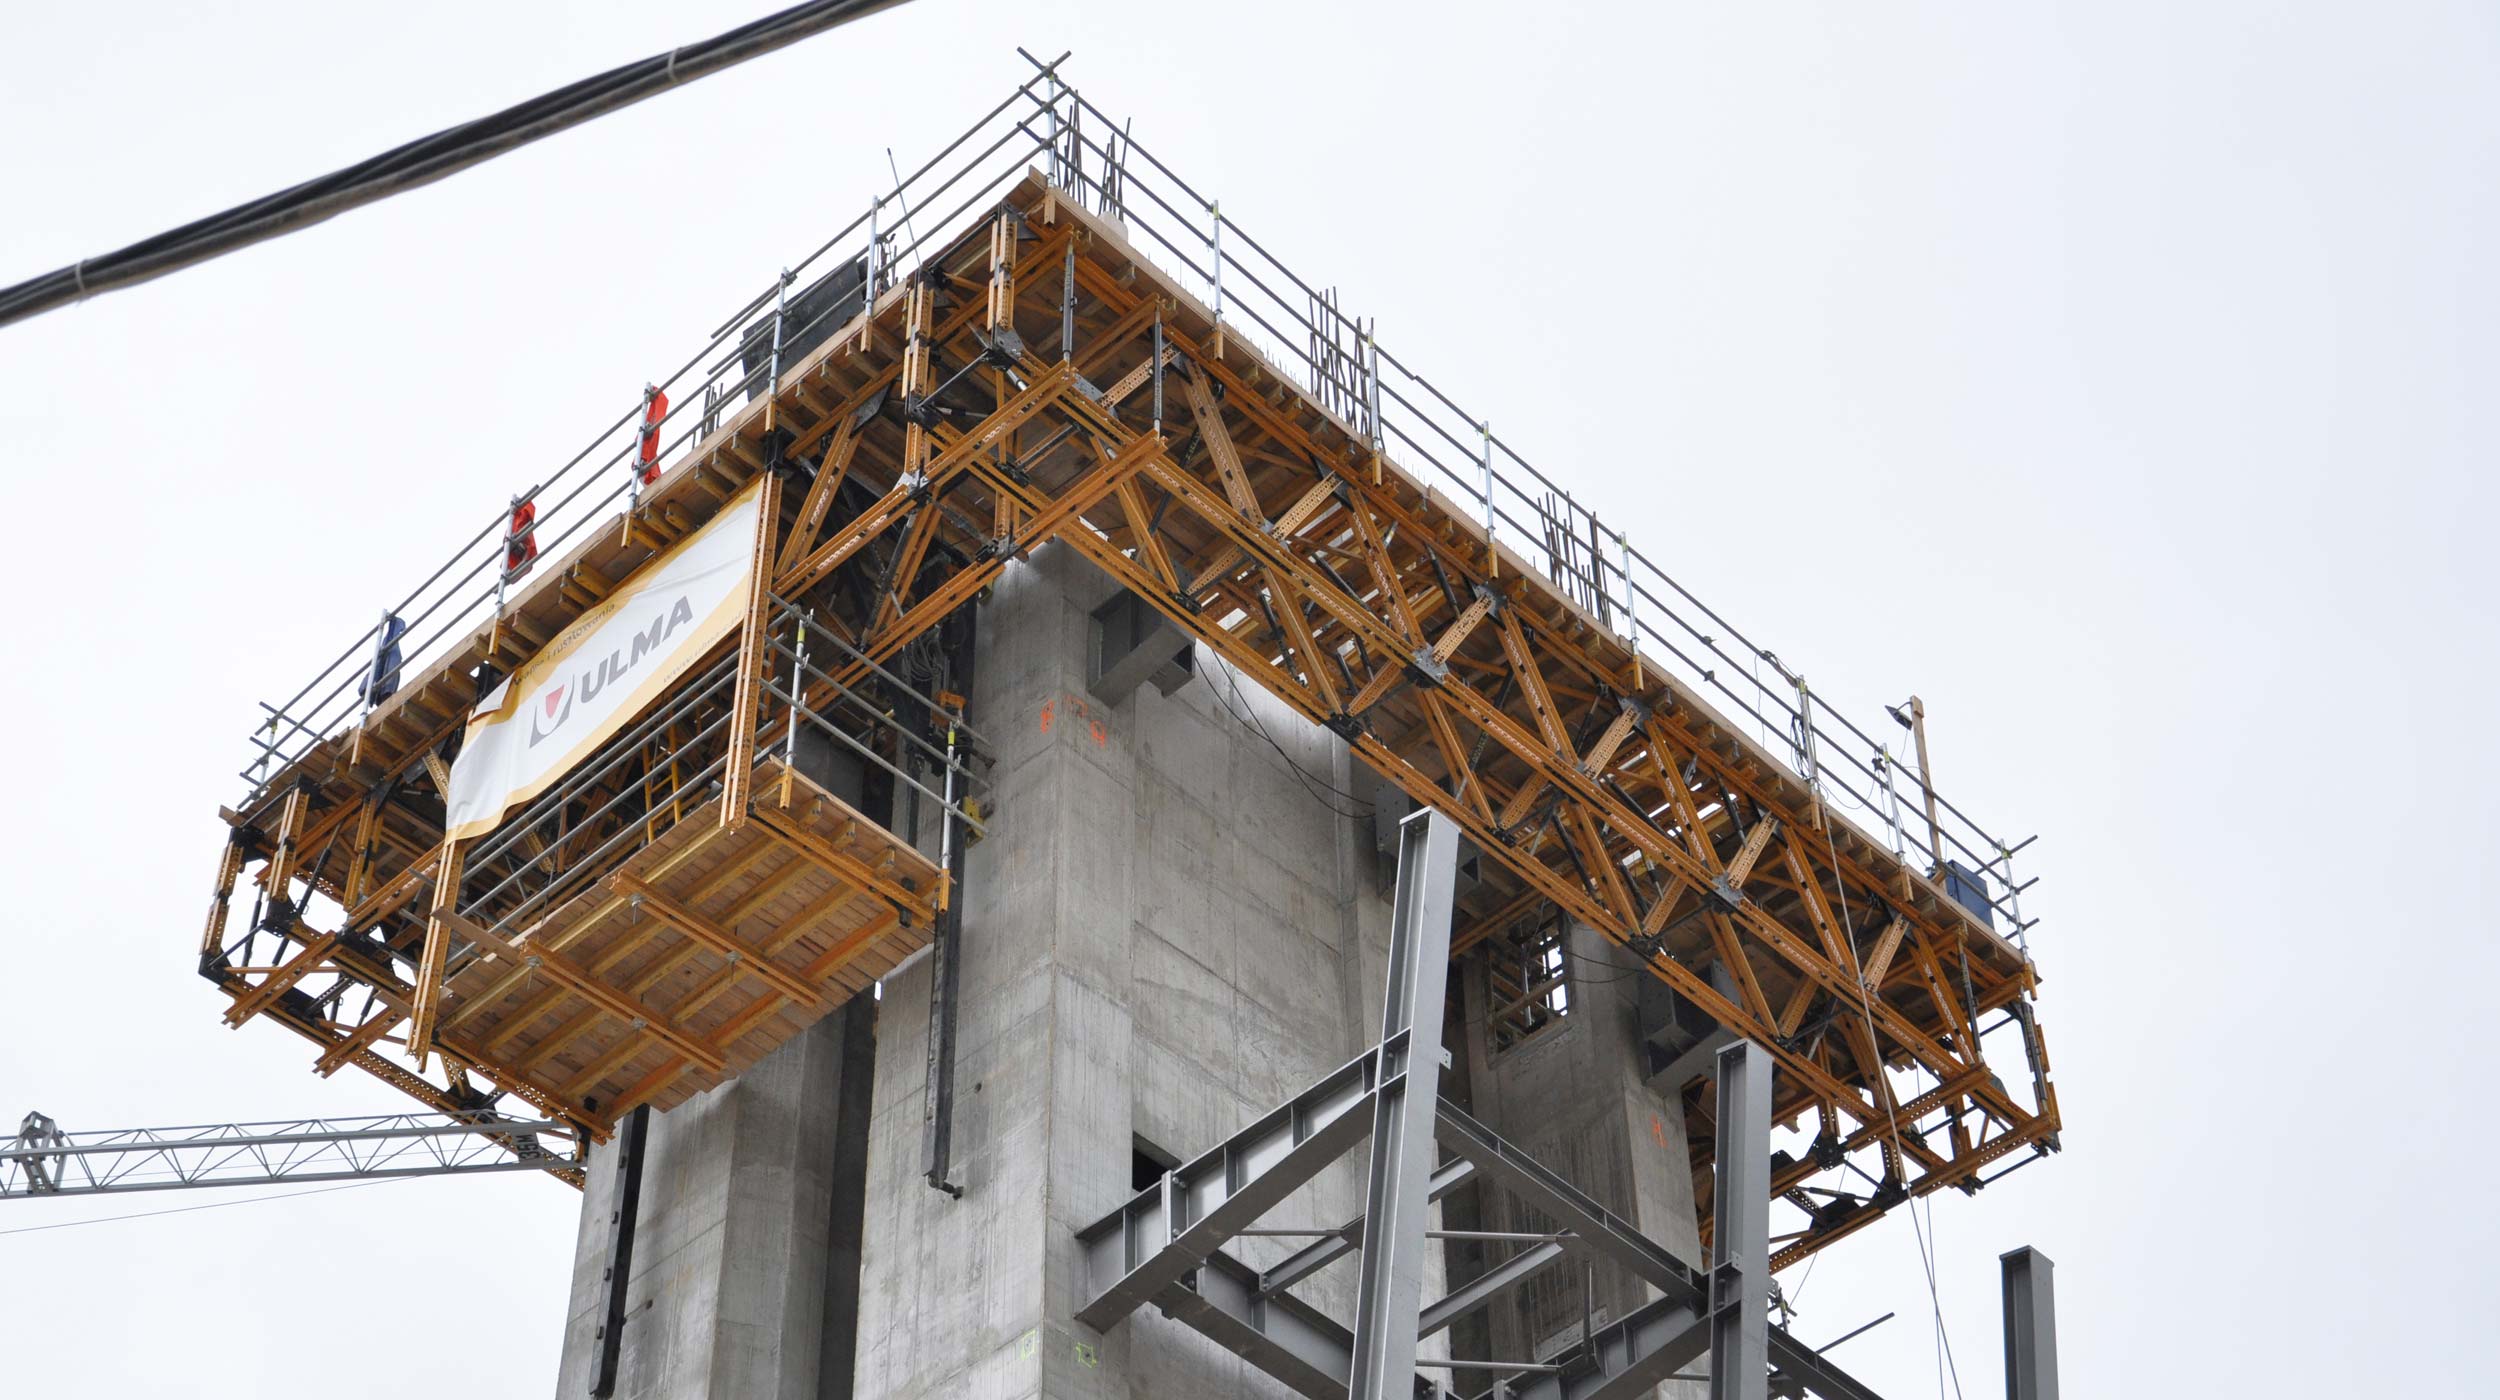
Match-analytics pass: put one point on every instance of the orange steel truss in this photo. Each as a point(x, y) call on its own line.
point(1035, 378)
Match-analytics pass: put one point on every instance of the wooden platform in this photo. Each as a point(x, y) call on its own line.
point(706, 951)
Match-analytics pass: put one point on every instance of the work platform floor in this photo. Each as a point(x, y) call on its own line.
point(737, 938)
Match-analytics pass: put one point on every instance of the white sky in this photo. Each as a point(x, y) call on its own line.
point(2116, 376)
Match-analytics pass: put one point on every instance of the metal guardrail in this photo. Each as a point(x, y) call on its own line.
point(640, 798)
point(1255, 297)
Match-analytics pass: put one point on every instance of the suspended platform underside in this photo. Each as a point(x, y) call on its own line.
point(740, 937)
point(1008, 391)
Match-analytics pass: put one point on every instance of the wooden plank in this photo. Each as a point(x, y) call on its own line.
point(693, 924)
point(637, 1015)
point(787, 828)
point(440, 917)
point(282, 979)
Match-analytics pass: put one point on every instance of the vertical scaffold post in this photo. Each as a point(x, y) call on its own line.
point(999, 313)
point(2013, 896)
point(1371, 394)
point(622, 1213)
point(1631, 611)
point(503, 561)
point(873, 274)
point(1809, 763)
point(1740, 1240)
point(1067, 306)
point(1892, 799)
point(798, 696)
point(781, 314)
point(1058, 175)
point(1215, 258)
point(1492, 548)
point(1389, 1289)
point(746, 692)
point(2030, 1325)
point(425, 1005)
point(1927, 784)
point(1158, 369)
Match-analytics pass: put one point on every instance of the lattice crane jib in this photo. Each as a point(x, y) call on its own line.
point(1055, 340)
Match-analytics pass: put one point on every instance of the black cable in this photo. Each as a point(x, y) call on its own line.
point(424, 160)
point(1310, 784)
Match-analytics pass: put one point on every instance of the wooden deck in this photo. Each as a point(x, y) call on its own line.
point(706, 951)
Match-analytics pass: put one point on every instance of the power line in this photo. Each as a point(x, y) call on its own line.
point(185, 1210)
point(424, 160)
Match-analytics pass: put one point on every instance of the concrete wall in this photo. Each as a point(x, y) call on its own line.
point(1167, 933)
point(1179, 919)
point(727, 1289)
point(1574, 1097)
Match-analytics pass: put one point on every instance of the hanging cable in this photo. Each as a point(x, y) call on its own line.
point(1251, 720)
point(1926, 1255)
point(424, 160)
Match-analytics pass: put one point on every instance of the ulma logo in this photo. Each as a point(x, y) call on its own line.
point(555, 706)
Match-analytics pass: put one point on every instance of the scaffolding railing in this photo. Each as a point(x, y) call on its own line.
point(1301, 327)
point(1254, 297)
point(744, 359)
point(669, 764)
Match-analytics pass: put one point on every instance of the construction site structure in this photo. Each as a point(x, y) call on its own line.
point(997, 720)
point(45, 1160)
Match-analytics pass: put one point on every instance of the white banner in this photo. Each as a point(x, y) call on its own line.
point(601, 671)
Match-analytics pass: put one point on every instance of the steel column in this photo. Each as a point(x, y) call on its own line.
point(622, 1212)
point(937, 1110)
point(1390, 1287)
point(2030, 1325)
point(1740, 1276)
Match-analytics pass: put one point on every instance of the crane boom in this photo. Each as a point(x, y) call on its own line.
point(45, 1161)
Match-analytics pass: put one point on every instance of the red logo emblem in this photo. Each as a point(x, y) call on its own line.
point(552, 697)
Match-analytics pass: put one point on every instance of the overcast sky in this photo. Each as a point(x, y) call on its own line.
point(2117, 376)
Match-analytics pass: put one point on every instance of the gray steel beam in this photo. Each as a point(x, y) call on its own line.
point(2030, 1325)
point(1487, 1286)
point(1630, 1358)
point(1389, 1289)
point(1572, 1211)
point(1309, 1351)
point(1740, 1276)
point(1796, 1366)
point(1319, 1254)
point(1651, 1333)
point(1133, 1254)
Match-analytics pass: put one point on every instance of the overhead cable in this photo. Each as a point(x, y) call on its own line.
point(425, 160)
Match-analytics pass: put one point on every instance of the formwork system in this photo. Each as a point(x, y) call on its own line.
point(1044, 334)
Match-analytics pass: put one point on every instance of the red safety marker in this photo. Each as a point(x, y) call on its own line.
point(654, 409)
point(520, 545)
